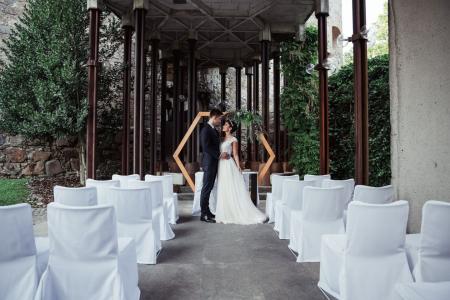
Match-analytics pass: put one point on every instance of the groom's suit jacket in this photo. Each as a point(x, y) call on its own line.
point(210, 142)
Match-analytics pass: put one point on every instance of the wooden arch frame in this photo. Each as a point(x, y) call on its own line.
point(189, 132)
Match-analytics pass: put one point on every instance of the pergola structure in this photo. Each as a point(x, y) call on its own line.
point(217, 34)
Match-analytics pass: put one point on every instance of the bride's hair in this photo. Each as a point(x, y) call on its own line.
point(232, 124)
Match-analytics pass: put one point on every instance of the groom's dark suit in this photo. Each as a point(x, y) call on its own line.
point(210, 142)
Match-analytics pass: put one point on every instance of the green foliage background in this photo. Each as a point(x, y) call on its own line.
point(44, 77)
point(299, 102)
point(300, 113)
point(342, 142)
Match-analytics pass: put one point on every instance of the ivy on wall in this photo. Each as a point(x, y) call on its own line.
point(342, 132)
point(299, 102)
point(300, 113)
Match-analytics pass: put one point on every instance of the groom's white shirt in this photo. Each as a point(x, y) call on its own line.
point(210, 124)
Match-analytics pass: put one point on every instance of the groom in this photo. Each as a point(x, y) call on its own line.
point(210, 143)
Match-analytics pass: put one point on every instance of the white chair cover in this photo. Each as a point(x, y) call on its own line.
point(348, 184)
point(87, 260)
point(170, 198)
point(21, 261)
point(291, 199)
point(160, 213)
point(367, 261)
point(101, 186)
point(317, 178)
point(135, 219)
point(375, 195)
point(322, 213)
point(196, 210)
point(431, 248)
point(75, 196)
point(277, 190)
point(125, 178)
point(424, 290)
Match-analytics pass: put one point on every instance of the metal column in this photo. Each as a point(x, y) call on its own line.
point(139, 93)
point(126, 88)
point(91, 134)
point(361, 94)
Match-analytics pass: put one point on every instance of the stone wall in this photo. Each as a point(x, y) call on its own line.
point(20, 157)
point(420, 103)
point(10, 10)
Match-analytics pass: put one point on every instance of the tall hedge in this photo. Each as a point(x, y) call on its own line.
point(299, 102)
point(342, 133)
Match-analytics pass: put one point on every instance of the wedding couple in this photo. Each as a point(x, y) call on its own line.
point(221, 160)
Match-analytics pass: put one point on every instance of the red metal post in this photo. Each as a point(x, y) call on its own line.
point(176, 101)
point(265, 48)
point(127, 33)
point(276, 104)
point(323, 93)
point(139, 93)
point(191, 95)
point(91, 135)
point(249, 73)
point(153, 101)
point(361, 94)
point(255, 148)
point(238, 102)
point(223, 85)
point(163, 139)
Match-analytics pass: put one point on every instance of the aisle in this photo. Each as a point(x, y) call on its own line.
point(214, 261)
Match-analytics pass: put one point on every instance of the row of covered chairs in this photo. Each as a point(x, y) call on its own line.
point(82, 258)
point(376, 259)
point(142, 211)
point(369, 256)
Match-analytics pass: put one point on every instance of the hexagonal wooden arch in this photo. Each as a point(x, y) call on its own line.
point(189, 132)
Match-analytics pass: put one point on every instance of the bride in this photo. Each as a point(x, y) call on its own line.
point(233, 202)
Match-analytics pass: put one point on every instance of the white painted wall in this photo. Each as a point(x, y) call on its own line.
point(420, 102)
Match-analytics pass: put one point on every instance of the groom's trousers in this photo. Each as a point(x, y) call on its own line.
point(209, 177)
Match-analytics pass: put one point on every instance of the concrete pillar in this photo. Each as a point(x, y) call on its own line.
point(126, 91)
point(419, 83)
point(321, 15)
point(139, 88)
point(361, 94)
point(91, 134)
point(153, 100)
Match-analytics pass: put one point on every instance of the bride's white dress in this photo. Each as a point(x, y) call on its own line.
point(234, 205)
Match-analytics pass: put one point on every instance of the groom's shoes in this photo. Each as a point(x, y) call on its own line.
point(207, 219)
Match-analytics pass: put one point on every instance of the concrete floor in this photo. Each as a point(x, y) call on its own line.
point(215, 261)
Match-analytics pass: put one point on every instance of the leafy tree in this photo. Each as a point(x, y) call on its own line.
point(381, 44)
point(44, 76)
point(299, 102)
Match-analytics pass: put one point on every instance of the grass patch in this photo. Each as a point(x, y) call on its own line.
point(13, 191)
